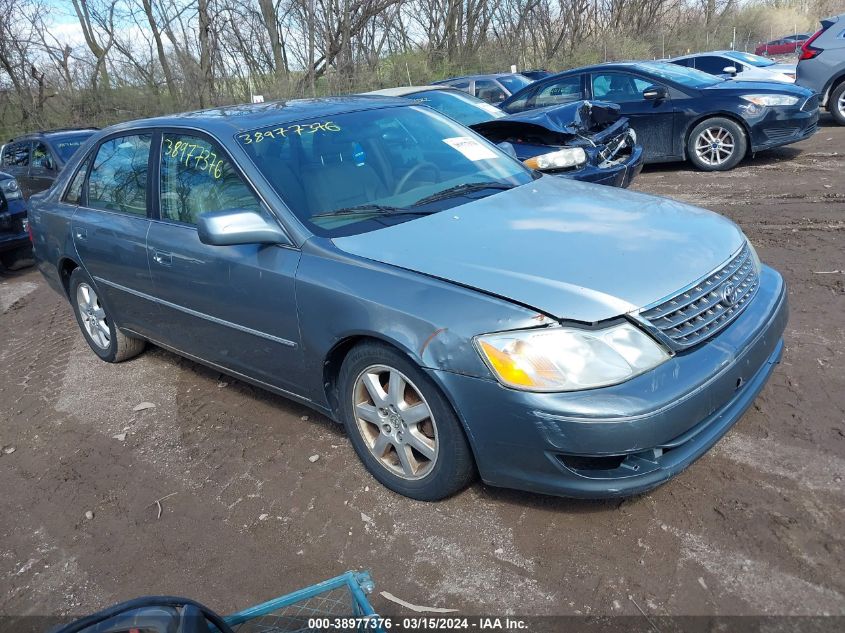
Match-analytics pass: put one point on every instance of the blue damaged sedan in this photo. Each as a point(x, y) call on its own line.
point(457, 312)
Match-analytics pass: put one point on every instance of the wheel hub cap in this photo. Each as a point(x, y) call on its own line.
point(395, 421)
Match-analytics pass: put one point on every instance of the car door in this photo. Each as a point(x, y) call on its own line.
point(233, 306)
point(110, 224)
point(43, 167)
point(15, 162)
point(652, 120)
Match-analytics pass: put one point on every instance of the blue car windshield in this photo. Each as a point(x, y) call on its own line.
point(67, 145)
point(462, 107)
point(514, 83)
point(682, 75)
point(360, 171)
point(750, 58)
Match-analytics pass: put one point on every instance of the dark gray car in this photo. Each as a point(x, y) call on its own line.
point(456, 311)
point(36, 159)
point(821, 66)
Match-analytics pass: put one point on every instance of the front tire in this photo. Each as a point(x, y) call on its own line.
point(836, 103)
point(716, 144)
point(401, 426)
point(97, 325)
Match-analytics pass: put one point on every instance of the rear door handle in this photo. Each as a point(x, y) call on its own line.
point(80, 232)
point(160, 257)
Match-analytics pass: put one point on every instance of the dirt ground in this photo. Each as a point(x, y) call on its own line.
point(754, 527)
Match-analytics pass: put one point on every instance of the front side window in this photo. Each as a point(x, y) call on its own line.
point(118, 179)
point(41, 157)
point(712, 64)
point(197, 177)
point(565, 90)
point(514, 83)
point(618, 87)
point(16, 155)
point(361, 171)
point(489, 91)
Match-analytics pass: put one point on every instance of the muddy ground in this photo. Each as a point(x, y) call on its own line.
point(755, 526)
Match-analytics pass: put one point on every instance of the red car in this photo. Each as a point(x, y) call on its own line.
point(783, 46)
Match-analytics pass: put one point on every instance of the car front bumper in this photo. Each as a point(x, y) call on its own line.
point(624, 439)
point(618, 174)
point(13, 227)
point(785, 125)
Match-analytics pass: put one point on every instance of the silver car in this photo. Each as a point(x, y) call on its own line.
point(458, 312)
point(821, 66)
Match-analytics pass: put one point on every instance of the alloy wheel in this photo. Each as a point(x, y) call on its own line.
point(714, 145)
point(840, 104)
point(93, 316)
point(395, 421)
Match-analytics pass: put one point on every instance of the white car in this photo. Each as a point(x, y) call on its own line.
point(738, 65)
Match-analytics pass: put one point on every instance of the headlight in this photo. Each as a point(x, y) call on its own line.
point(10, 189)
point(771, 100)
point(569, 359)
point(561, 159)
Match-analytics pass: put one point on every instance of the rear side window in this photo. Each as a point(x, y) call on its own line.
point(118, 179)
point(489, 91)
point(564, 90)
point(16, 155)
point(618, 87)
point(197, 177)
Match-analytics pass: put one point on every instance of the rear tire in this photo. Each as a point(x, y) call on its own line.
point(836, 103)
point(717, 144)
point(97, 325)
point(401, 425)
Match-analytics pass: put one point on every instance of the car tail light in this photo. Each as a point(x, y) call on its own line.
point(809, 52)
point(29, 230)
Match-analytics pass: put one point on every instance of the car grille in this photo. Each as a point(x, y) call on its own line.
point(697, 313)
point(812, 103)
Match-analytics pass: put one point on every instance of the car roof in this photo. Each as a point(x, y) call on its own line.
point(63, 131)
point(403, 91)
point(242, 117)
point(481, 76)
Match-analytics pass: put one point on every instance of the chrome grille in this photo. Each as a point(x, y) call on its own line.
point(697, 313)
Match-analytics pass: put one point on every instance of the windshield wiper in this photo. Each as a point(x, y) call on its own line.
point(364, 209)
point(461, 190)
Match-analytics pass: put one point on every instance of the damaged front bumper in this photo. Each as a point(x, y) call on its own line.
point(628, 438)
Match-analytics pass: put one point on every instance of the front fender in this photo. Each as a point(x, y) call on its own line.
point(433, 322)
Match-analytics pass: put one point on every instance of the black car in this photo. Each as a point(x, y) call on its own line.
point(35, 159)
point(14, 235)
point(493, 88)
point(585, 141)
point(681, 113)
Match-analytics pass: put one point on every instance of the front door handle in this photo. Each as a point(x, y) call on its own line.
point(80, 232)
point(160, 257)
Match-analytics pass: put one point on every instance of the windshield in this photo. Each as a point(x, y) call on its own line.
point(681, 74)
point(66, 146)
point(749, 58)
point(361, 171)
point(514, 83)
point(462, 107)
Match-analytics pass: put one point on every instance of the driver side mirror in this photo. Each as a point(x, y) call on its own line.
point(655, 93)
point(230, 228)
point(731, 70)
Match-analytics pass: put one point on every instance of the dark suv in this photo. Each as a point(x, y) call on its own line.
point(14, 238)
point(36, 159)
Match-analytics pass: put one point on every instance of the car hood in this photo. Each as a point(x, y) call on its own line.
point(553, 125)
point(738, 87)
point(571, 250)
